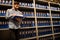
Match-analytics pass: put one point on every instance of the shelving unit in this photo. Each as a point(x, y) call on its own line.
point(42, 20)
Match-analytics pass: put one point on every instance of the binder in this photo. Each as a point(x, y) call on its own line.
point(29, 14)
point(5, 24)
point(30, 25)
point(48, 15)
point(54, 8)
point(30, 5)
point(2, 13)
point(56, 30)
point(32, 13)
point(23, 4)
point(20, 3)
point(37, 6)
point(17, 16)
point(37, 14)
point(33, 33)
point(10, 2)
point(6, 2)
point(3, 1)
point(25, 24)
point(33, 23)
point(22, 24)
point(1, 24)
point(24, 13)
point(26, 4)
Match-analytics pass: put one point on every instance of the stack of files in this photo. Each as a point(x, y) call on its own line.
point(27, 24)
point(17, 16)
point(44, 31)
point(2, 12)
point(3, 24)
point(56, 22)
point(40, 14)
point(57, 37)
point(46, 38)
point(27, 33)
point(54, 8)
point(59, 21)
point(41, 6)
point(26, 4)
point(43, 23)
point(28, 13)
point(55, 15)
point(6, 2)
point(56, 30)
point(59, 8)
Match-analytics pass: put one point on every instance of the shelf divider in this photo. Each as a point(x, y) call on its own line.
point(51, 20)
point(35, 20)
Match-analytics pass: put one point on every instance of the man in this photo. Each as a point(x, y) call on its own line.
point(14, 25)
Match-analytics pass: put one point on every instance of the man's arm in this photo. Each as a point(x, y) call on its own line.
point(9, 15)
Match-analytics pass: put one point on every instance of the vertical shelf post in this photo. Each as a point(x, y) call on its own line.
point(12, 3)
point(51, 20)
point(35, 20)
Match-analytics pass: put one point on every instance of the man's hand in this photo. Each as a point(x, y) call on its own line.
point(13, 14)
point(19, 19)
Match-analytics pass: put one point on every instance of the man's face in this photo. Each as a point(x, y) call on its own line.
point(16, 6)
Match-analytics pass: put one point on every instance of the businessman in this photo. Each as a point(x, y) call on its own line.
point(14, 25)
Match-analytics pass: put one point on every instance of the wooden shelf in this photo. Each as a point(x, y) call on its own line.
point(56, 25)
point(35, 27)
point(27, 7)
point(47, 2)
point(30, 17)
point(55, 10)
point(2, 16)
point(42, 1)
point(56, 17)
point(42, 9)
point(37, 17)
point(56, 33)
point(54, 3)
point(5, 5)
point(43, 17)
point(28, 38)
point(46, 35)
point(4, 28)
point(45, 26)
point(27, 27)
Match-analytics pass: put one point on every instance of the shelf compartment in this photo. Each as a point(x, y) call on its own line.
point(27, 33)
point(46, 38)
point(56, 29)
point(44, 31)
point(57, 37)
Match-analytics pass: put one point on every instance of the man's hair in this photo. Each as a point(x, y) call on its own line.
point(16, 2)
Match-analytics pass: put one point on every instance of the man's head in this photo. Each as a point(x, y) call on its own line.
point(16, 5)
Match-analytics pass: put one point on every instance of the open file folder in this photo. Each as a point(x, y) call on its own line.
point(18, 16)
